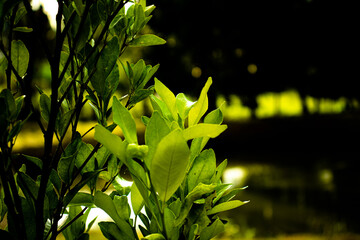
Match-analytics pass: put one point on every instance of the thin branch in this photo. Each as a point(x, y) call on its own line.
point(72, 220)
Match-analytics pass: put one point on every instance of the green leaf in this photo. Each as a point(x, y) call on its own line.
point(168, 97)
point(230, 195)
point(23, 29)
point(169, 219)
point(20, 13)
point(203, 130)
point(220, 191)
point(111, 83)
point(105, 65)
point(10, 108)
point(225, 206)
point(156, 130)
point(150, 73)
point(146, 40)
point(214, 117)
point(122, 207)
point(161, 107)
point(154, 236)
point(111, 141)
point(169, 164)
point(220, 170)
point(104, 202)
point(193, 231)
point(140, 95)
point(124, 120)
point(19, 57)
point(37, 161)
point(66, 168)
point(139, 18)
point(45, 104)
point(195, 194)
point(203, 169)
point(63, 121)
point(111, 231)
point(28, 186)
point(211, 231)
point(137, 200)
point(82, 199)
point(200, 106)
point(84, 151)
point(19, 102)
point(183, 105)
point(86, 178)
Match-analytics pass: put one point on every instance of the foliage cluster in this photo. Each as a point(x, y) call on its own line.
point(177, 191)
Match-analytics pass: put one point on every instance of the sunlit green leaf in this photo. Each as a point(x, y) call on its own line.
point(124, 120)
point(82, 199)
point(111, 141)
point(122, 207)
point(225, 206)
point(147, 40)
point(203, 169)
point(168, 97)
point(203, 130)
point(137, 201)
point(201, 105)
point(183, 105)
point(156, 130)
point(211, 231)
point(139, 18)
point(104, 202)
point(169, 220)
point(169, 164)
point(154, 236)
point(220, 170)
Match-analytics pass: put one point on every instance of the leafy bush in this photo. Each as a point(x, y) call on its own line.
point(177, 191)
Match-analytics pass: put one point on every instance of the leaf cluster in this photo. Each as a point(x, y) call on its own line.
point(177, 190)
point(176, 181)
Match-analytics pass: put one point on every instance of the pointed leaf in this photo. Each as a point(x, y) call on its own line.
point(111, 141)
point(168, 97)
point(125, 121)
point(147, 40)
point(201, 105)
point(211, 231)
point(183, 105)
point(203, 169)
point(169, 164)
point(137, 201)
point(45, 104)
point(104, 202)
point(225, 206)
point(105, 66)
point(203, 130)
point(156, 130)
point(19, 57)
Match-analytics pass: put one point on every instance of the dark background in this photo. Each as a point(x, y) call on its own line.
point(308, 45)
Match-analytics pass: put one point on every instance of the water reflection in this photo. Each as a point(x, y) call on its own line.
point(290, 199)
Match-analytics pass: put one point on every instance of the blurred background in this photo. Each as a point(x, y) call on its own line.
point(285, 74)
